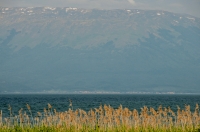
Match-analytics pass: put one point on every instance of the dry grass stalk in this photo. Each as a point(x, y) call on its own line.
point(107, 118)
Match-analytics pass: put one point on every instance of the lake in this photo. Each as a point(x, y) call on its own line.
point(86, 102)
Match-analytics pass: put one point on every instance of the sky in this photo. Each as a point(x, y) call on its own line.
point(191, 7)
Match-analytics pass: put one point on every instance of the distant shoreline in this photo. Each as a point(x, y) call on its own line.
point(95, 93)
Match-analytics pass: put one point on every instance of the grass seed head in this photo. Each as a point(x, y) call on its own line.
point(28, 106)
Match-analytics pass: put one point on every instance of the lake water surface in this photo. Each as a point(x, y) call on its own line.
point(87, 102)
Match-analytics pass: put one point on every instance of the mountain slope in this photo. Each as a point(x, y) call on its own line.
point(70, 49)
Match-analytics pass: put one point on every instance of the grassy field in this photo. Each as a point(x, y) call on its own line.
point(104, 118)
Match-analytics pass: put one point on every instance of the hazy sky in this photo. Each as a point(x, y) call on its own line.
point(180, 6)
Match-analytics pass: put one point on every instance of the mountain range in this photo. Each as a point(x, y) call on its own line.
point(45, 49)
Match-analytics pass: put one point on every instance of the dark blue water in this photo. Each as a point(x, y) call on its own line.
point(86, 102)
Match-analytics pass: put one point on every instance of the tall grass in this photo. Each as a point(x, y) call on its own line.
point(104, 118)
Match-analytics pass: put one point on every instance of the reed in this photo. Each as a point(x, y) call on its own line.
point(104, 118)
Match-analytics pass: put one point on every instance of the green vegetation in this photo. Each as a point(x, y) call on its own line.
point(104, 118)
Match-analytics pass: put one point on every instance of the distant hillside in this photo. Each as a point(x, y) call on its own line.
point(70, 49)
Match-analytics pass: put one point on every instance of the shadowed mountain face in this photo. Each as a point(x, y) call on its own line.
point(70, 49)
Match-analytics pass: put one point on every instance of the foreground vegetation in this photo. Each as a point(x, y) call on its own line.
point(104, 118)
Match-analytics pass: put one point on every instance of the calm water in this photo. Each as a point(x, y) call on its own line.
point(86, 102)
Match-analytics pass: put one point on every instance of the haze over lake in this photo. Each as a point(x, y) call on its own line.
point(127, 49)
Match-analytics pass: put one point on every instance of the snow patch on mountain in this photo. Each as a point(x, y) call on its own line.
point(190, 18)
point(176, 21)
point(158, 14)
point(49, 8)
point(128, 11)
point(70, 8)
point(30, 11)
